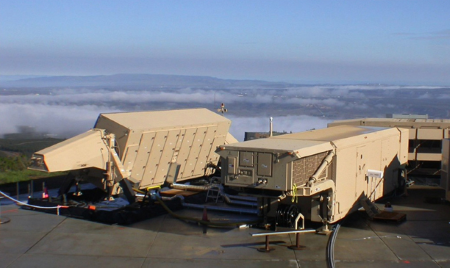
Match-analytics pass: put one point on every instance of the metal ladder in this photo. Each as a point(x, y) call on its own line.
point(213, 193)
point(369, 207)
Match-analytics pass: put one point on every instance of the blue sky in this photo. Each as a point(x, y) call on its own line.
point(394, 41)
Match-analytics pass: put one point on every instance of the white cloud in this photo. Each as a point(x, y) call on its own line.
point(62, 120)
point(72, 111)
point(70, 120)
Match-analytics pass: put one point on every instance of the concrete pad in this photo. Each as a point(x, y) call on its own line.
point(405, 248)
point(153, 224)
point(221, 243)
point(428, 229)
point(28, 221)
point(16, 242)
point(354, 245)
point(195, 263)
point(36, 239)
point(418, 215)
point(388, 264)
point(384, 228)
point(235, 244)
point(311, 264)
point(314, 248)
point(438, 253)
point(128, 244)
point(7, 258)
point(444, 264)
point(421, 240)
point(56, 261)
point(367, 250)
point(71, 226)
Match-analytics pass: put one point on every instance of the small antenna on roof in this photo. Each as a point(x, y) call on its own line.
point(271, 127)
point(222, 109)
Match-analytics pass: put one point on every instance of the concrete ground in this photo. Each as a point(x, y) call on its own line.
point(36, 239)
point(423, 240)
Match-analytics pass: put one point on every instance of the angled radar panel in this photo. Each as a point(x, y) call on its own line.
point(148, 143)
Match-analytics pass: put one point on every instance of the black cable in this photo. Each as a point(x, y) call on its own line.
point(203, 222)
point(4, 219)
point(330, 246)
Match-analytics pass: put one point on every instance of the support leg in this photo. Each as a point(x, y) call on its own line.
point(297, 243)
point(266, 248)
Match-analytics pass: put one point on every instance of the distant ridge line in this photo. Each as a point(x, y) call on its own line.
point(126, 80)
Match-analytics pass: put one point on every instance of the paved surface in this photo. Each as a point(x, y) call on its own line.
point(423, 240)
point(36, 239)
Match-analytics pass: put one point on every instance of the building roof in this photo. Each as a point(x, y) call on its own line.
point(395, 122)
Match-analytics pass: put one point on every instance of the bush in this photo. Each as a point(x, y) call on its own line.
point(15, 155)
point(13, 163)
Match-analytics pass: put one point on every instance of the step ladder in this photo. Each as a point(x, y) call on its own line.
point(369, 207)
point(213, 193)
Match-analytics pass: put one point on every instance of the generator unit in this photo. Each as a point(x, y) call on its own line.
point(321, 174)
point(139, 149)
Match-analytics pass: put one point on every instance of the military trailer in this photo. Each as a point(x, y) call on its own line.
point(321, 174)
point(425, 139)
point(139, 150)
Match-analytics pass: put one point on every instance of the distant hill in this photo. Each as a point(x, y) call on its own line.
point(17, 77)
point(26, 146)
point(134, 81)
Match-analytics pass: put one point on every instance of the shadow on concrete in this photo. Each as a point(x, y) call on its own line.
point(427, 216)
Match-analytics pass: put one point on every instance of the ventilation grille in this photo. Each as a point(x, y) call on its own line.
point(305, 167)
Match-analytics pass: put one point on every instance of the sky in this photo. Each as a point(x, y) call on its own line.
point(352, 41)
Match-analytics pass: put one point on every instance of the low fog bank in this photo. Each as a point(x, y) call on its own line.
point(64, 113)
point(186, 95)
point(61, 121)
point(65, 121)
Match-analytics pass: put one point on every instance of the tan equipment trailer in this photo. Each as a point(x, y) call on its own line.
point(139, 149)
point(322, 174)
point(425, 139)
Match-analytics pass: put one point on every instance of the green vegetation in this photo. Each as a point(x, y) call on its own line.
point(15, 162)
point(25, 175)
point(26, 146)
point(15, 155)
